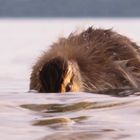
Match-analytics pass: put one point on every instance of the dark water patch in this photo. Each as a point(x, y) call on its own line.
point(56, 108)
point(40, 107)
point(53, 121)
point(59, 120)
point(57, 115)
point(121, 92)
point(89, 135)
point(73, 136)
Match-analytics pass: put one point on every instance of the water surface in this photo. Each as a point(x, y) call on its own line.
point(71, 116)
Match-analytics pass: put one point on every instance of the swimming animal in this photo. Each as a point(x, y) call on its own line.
point(91, 61)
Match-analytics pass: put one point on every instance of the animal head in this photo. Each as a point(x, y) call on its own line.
point(60, 75)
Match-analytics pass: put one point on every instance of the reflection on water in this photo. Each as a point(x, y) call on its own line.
point(87, 116)
point(81, 116)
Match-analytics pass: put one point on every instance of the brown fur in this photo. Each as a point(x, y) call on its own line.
point(105, 60)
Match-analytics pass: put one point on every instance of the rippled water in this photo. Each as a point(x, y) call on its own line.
point(68, 116)
point(73, 116)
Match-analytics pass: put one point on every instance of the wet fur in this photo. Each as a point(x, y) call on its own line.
point(52, 75)
point(106, 60)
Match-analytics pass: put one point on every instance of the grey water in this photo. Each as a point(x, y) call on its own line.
point(72, 8)
point(54, 116)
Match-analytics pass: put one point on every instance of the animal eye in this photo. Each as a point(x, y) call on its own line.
point(68, 87)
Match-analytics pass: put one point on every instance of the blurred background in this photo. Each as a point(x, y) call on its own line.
point(69, 8)
point(28, 27)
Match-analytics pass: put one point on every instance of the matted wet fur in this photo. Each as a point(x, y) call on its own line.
point(103, 59)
